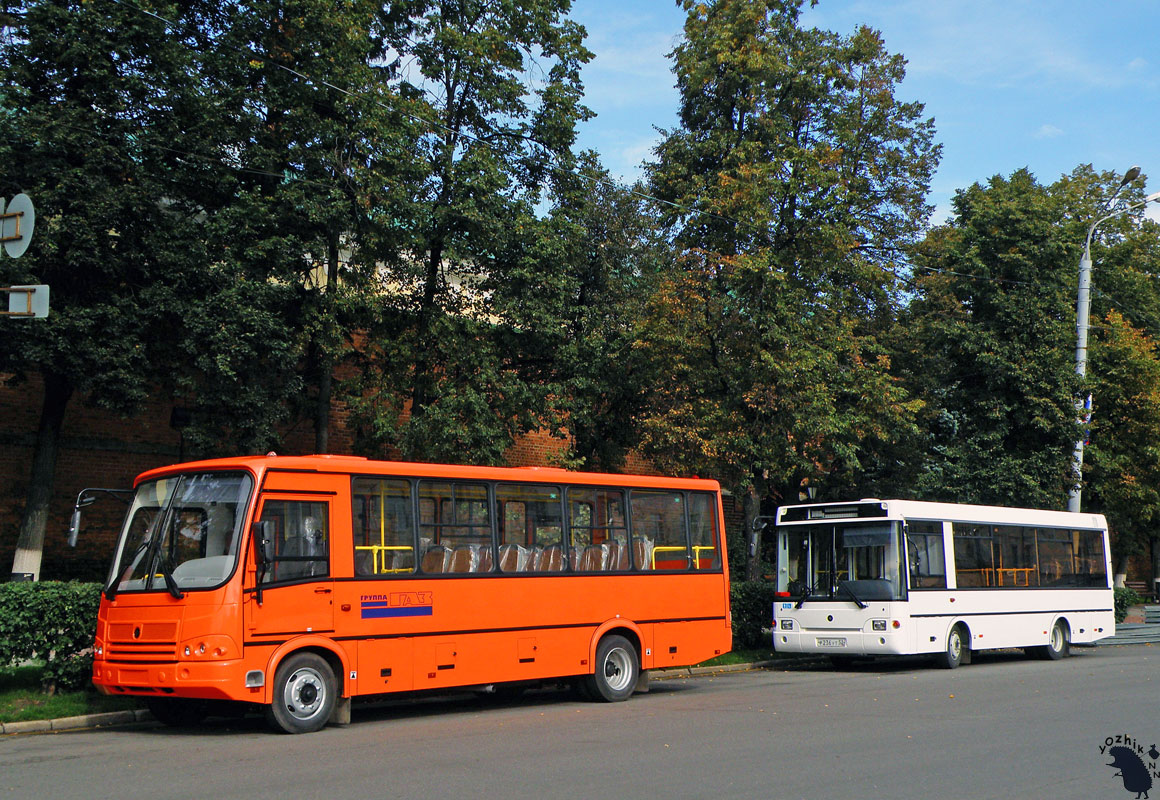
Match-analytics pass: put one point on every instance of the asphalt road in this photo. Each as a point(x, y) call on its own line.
point(1003, 727)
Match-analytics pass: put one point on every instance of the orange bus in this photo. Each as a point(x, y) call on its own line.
point(298, 583)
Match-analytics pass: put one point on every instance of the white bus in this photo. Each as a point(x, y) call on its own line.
point(898, 577)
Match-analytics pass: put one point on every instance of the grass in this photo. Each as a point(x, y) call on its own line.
point(741, 657)
point(22, 699)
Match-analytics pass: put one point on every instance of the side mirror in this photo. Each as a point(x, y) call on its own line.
point(263, 535)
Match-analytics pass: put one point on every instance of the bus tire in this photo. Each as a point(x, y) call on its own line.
point(304, 694)
point(1059, 645)
point(956, 648)
point(176, 712)
point(616, 672)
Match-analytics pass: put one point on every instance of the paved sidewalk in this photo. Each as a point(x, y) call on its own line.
point(1133, 633)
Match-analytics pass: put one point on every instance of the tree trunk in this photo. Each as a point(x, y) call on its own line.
point(1121, 572)
point(1155, 569)
point(752, 508)
point(30, 544)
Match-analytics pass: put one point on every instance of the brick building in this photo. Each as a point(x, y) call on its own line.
point(102, 449)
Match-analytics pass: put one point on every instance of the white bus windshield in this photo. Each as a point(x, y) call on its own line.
point(848, 560)
point(181, 532)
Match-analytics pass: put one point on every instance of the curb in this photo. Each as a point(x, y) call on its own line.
point(75, 723)
point(692, 672)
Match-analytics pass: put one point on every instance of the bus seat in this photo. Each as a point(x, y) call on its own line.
point(642, 552)
point(617, 556)
point(435, 559)
point(550, 559)
point(298, 546)
point(364, 562)
point(403, 560)
point(611, 553)
point(462, 559)
point(485, 559)
point(592, 559)
point(509, 558)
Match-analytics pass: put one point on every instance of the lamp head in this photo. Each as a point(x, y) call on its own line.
point(1131, 175)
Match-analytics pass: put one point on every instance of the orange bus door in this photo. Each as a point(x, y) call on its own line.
point(294, 593)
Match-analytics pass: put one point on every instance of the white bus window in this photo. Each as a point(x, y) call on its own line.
point(926, 556)
point(974, 559)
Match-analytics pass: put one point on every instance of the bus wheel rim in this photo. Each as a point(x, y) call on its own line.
point(617, 669)
point(304, 694)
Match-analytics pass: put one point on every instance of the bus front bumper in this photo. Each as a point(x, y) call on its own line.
point(841, 642)
point(214, 680)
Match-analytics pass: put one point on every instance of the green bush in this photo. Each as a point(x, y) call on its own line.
point(1125, 598)
point(752, 613)
point(53, 623)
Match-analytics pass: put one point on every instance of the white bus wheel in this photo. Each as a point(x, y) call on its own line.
point(956, 648)
point(1059, 645)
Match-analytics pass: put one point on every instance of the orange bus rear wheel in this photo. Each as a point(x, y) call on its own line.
point(617, 670)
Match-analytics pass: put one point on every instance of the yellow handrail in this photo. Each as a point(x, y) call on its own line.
point(379, 556)
point(681, 549)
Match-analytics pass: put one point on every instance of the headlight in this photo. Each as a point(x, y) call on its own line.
point(878, 624)
point(786, 625)
point(209, 648)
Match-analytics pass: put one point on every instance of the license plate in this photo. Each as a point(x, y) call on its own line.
point(831, 642)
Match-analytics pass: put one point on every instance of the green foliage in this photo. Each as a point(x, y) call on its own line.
point(453, 369)
point(791, 186)
point(1125, 598)
point(1123, 455)
point(50, 622)
point(752, 609)
point(989, 340)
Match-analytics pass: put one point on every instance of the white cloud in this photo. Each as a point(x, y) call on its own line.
point(991, 42)
point(1048, 132)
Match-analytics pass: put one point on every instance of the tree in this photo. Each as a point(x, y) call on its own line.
point(1123, 454)
point(438, 377)
point(305, 136)
point(991, 343)
point(88, 131)
point(578, 305)
point(989, 340)
point(796, 179)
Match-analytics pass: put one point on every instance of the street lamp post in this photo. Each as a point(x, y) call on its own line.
point(1082, 308)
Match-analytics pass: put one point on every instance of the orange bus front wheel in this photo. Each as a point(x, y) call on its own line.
point(304, 694)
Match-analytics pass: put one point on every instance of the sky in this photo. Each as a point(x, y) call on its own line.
point(1042, 84)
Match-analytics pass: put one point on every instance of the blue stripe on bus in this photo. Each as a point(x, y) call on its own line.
point(379, 611)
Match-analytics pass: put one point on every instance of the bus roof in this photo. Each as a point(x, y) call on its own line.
point(357, 465)
point(917, 509)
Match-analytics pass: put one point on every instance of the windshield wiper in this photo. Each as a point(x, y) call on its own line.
point(846, 585)
point(170, 581)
